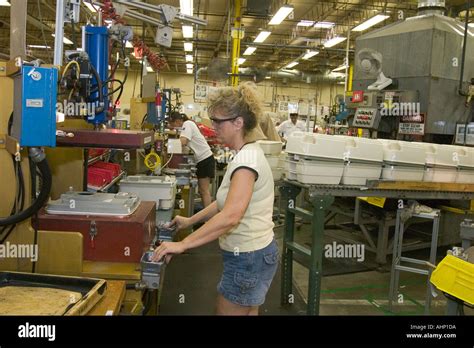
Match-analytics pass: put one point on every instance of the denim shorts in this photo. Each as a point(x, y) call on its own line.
point(247, 276)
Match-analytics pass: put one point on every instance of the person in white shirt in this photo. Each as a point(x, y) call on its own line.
point(291, 125)
point(191, 136)
point(241, 216)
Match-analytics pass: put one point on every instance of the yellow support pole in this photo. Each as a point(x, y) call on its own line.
point(236, 37)
point(351, 76)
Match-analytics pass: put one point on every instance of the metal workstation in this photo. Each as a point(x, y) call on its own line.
point(367, 125)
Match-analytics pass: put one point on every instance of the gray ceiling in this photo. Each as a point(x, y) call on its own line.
point(278, 50)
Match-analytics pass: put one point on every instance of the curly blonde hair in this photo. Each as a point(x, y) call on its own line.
point(243, 101)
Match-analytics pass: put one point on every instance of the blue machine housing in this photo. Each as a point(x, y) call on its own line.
point(97, 47)
point(34, 117)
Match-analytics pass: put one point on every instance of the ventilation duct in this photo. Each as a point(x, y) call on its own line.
point(426, 7)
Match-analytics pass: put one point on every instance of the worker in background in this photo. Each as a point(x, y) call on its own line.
point(191, 136)
point(265, 130)
point(291, 125)
point(241, 217)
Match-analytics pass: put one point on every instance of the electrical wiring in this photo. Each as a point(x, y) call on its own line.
point(71, 63)
point(166, 164)
point(19, 202)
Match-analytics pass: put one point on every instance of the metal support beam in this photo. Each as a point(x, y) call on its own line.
point(18, 28)
point(236, 37)
point(59, 33)
point(288, 194)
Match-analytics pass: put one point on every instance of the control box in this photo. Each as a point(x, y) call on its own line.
point(366, 118)
point(34, 116)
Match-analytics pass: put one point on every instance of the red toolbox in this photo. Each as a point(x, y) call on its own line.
point(117, 239)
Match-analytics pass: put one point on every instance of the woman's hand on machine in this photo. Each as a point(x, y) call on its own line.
point(180, 223)
point(166, 250)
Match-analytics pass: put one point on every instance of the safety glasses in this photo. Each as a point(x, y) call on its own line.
point(221, 120)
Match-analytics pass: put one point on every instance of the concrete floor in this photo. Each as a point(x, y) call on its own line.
point(365, 292)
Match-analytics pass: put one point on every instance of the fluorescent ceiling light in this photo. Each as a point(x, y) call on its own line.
point(189, 58)
point(187, 31)
point(241, 61)
point(128, 45)
point(291, 65)
point(188, 46)
point(339, 68)
point(324, 25)
point(149, 69)
point(4, 3)
point(39, 46)
point(471, 25)
point(250, 50)
point(65, 40)
point(186, 7)
point(337, 74)
point(262, 36)
point(268, 77)
point(189, 66)
point(281, 14)
point(370, 22)
point(305, 23)
point(334, 41)
point(189, 71)
point(90, 7)
point(309, 54)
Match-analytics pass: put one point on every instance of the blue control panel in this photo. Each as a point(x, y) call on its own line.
point(34, 117)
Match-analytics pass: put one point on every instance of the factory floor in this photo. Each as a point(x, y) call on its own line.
point(362, 289)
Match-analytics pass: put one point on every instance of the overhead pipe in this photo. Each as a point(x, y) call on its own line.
point(426, 7)
point(464, 45)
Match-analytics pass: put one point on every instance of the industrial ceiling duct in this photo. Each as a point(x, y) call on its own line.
point(426, 7)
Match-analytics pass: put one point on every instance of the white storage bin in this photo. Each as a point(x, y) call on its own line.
point(364, 158)
point(319, 171)
point(277, 174)
point(403, 161)
point(273, 161)
point(402, 173)
point(159, 189)
point(291, 175)
point(403, 152)
point(442, 162)
point(439, 174)
point(357, 173)
point(166, 204)
point(316, 145)
point(271, 147)
point(466, 165)
point(283, 158)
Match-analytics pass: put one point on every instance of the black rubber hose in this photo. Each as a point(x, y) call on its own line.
point(148, 295)
point(21, 194)
point(40, 200)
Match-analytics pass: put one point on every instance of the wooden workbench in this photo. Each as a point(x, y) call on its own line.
point(112, 301)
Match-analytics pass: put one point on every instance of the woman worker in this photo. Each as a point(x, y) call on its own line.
point(241, 217)
point(191, 136)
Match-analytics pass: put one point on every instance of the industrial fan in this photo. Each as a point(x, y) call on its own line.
point(369, 62)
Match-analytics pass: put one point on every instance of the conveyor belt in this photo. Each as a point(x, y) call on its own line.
point(398, 192)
